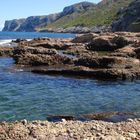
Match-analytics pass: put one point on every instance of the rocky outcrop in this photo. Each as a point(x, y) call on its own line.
point(33, 22)
point(109, 43)
point(113, 56)
point(128, 18)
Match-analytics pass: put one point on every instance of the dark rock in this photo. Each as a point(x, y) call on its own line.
point(18, 40)
point(56, 118)
point(110, 116)
point(128, 18)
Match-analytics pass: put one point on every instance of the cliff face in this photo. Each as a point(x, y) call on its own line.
point(33, 22)
point(124, 14)
point(13, 25)
point(128, 18)
point(30, 23)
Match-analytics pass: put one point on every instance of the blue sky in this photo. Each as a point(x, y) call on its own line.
point(11, 9)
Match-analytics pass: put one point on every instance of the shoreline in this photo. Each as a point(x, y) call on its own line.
point(69, 130)
point(109, 55)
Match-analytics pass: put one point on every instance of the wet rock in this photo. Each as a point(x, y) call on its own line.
point(55, 118)
point(111, 116)
point(18, 40)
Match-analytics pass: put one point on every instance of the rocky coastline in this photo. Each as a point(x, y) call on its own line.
point(79, 29)
point(103, 56)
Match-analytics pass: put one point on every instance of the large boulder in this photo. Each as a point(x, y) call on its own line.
point(108, 43)
point(84, 38)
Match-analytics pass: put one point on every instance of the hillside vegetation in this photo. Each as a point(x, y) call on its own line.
point(101, 14)
point(83, 14)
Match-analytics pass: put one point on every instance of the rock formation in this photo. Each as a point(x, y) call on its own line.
point(82, 17)
point(33, 22)
point(128, 18)
point(113, 56)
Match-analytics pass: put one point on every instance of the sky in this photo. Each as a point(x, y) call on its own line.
point(13, 9)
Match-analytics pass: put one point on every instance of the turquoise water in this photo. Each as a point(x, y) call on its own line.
point(32, 96)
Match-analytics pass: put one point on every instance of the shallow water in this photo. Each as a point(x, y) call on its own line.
point(32, 96)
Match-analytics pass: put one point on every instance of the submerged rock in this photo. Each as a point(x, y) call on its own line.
point(55, 118)
point(111, 116)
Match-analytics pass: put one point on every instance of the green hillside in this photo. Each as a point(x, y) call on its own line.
point(102, 14)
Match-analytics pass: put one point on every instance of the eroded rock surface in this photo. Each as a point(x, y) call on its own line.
point(102, 56)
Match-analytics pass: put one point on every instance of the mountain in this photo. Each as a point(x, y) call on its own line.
point(128, 18)
point(84, 14)
point(33, 22)
point(101, 14)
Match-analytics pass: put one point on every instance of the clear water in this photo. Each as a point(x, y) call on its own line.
point(31, 35)
point(32, 96)
point(25, 95)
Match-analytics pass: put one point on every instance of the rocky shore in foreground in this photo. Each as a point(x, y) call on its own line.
point(105, 56)
point(70, 130)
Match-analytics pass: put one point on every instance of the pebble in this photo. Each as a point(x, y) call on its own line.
point(24, 122)
point(129, 120)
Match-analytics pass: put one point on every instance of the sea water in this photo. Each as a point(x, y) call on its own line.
point(25, 95)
